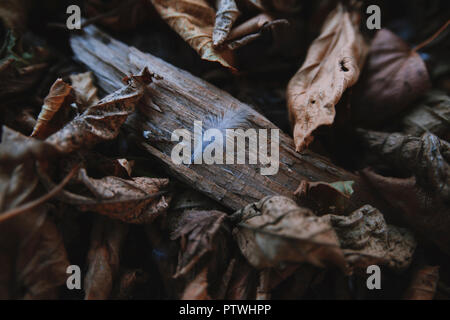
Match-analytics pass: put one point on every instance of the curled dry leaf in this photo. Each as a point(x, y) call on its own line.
point(137, 200)
point(85, 90)
point(366, 239)
point(194, 21)
point(275, 230)
point(250, 26)
point(332, 65)
point(394, 77)
point(425, 213)
point(226, 15)
point(423, 284)
point(238, 43)
point(426, 157)
point(55, 99)
point(199, 233)
point(432, 114)
point(107, 238)
point(103, 120)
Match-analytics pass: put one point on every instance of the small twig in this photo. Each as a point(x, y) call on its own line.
point(33, 204)
point(434, 36)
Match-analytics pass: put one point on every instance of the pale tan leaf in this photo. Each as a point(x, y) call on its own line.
point(332, 65)
point(85, 90)
point(52, 103)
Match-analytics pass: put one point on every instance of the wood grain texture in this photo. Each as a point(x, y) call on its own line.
point(183, 98)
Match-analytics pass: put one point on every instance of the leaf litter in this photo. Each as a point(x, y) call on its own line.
point(70, 165)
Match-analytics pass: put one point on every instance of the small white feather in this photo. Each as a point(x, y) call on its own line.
point(231, 118)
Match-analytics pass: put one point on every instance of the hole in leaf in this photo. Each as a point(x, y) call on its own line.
point(342, 65)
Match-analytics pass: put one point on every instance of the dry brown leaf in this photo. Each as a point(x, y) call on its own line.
point(425, 213)
point(85, 90)
point(226, 14)
point(431, 114)
point(199, 233)
point(423, 284)
point(194, 21)
point(137, 200)
point(186, 243)
point(394, 77)
point(33, 258)
point(332, 65)
point(275, 230)
point(55, 99)
point(243, 282)
point(107, 238)
point(31, 249)
point(17, 148)
point(103, 120)
point(197, 289)
point(427, 158)
point(366, 239)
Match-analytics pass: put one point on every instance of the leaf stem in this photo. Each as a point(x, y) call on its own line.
point(434, 36)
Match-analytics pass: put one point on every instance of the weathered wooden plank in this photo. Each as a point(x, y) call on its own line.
point(183, 98)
